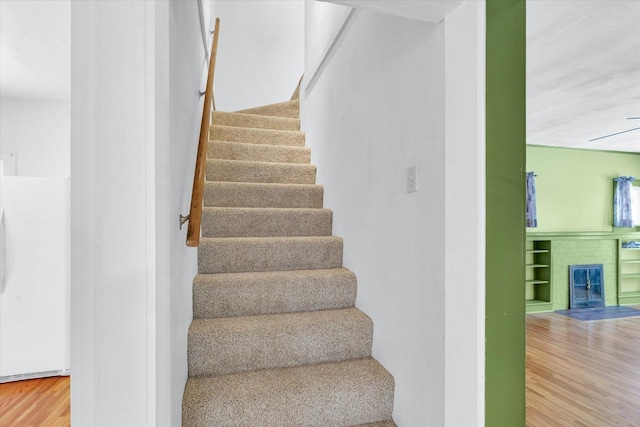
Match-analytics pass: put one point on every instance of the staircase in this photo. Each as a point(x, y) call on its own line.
point(276, 339)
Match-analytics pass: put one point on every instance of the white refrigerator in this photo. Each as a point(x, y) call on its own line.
point(34, 277)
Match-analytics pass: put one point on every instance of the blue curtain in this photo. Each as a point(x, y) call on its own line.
point(532, 214)
point(622, 202)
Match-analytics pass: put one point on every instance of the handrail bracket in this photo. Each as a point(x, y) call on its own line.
point(183, 219)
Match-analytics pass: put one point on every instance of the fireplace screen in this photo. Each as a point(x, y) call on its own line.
point(586, 286)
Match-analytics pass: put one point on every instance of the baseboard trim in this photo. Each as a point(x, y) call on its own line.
point(33, 375)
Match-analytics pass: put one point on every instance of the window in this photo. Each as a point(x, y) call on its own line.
point(626, 202)
point(635, 205)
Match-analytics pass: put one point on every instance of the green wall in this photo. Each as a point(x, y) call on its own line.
point(505, 230)
point(575, 187)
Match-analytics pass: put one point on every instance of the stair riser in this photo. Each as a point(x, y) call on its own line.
point(250, 294)
point(276, 341)
point(266, 222)
point(269, 254)
point(224, 194)
point(259, 153)
point(279, 173)
point(343, 394)
point(257, 136)
point(254, 121)
point(283, 109)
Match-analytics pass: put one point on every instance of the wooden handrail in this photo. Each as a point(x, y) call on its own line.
point(195, 212)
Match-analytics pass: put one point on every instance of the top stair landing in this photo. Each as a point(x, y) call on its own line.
point(289, 109)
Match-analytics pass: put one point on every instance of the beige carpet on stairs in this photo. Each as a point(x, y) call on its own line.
point(276, 339)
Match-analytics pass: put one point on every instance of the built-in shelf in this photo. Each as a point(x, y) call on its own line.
point(538, 276)
point(628, 274)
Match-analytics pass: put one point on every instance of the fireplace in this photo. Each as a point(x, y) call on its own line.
point(586, 286)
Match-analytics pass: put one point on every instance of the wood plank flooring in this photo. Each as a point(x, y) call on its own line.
point(582, 373)
point(38, 402)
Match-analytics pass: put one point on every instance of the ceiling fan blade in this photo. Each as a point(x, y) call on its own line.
point(613, 134)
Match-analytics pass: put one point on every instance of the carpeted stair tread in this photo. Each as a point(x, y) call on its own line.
point(258, 195)
point(237, 344)
point(246, 254)
point(258, 152)
point(280, 109)
point(256, 136)
point(255, 293)
point(264, 172)
point(254, 121)
point(265, 222)
point(351, 392)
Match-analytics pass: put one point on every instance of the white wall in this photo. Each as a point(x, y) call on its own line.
point(111, 200)
point(377, 109)
point(394, 93)
point(38, 132)
point(137, 68)
point(260, 52)
point(188, 69)
point(464, 214)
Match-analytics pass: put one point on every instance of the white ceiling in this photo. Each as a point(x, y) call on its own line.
point(422, 10)
point(35, 49)
point(583, 73)
point(583, 62)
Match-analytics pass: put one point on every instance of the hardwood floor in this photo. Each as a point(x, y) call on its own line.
point(38, 402)
point(582, 373)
